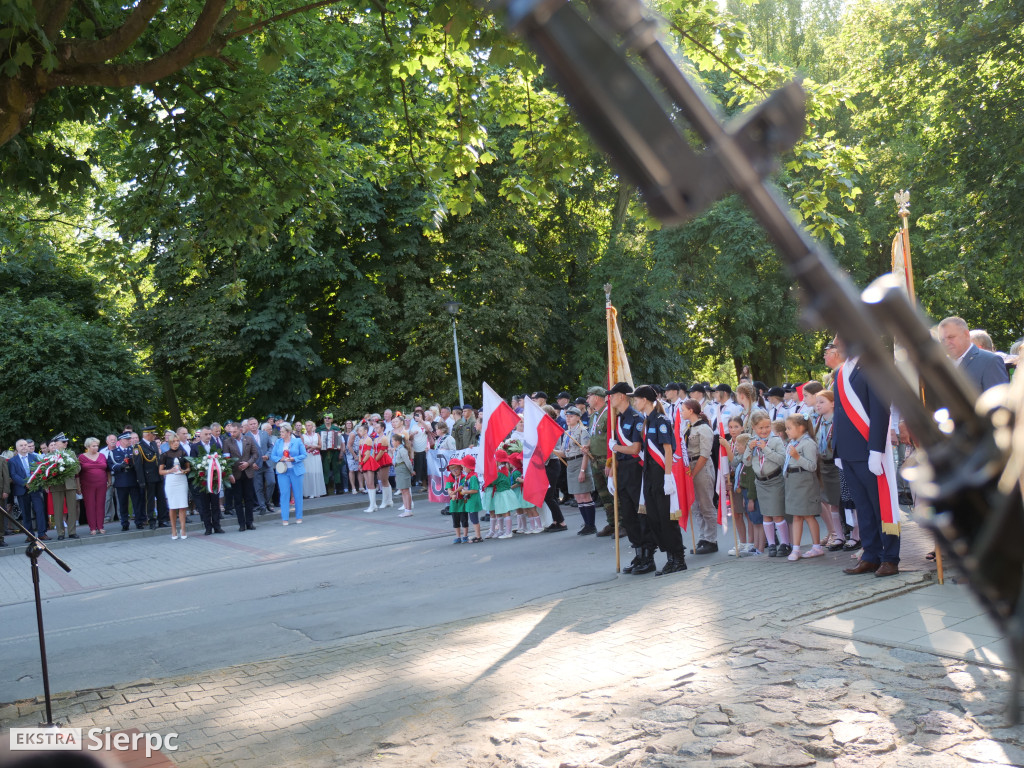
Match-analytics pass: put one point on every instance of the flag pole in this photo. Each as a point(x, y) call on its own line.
point(902, 199)
point(612, 421)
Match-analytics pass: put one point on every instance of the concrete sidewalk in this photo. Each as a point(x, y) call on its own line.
point(720, 662)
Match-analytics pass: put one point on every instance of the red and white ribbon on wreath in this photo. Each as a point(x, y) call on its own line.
point(214, 466)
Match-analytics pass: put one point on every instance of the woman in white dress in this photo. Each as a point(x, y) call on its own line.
point(313, 485)
point(174, 467)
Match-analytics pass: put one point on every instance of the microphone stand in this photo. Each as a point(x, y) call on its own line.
point(35, 549)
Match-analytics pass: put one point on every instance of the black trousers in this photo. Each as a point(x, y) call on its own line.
point(628, 478)
point(419, 465)
point(133, 492)
point(553, 468)
point(208, 505)
point(665, 530)
point(155, 504)
point(241, 497)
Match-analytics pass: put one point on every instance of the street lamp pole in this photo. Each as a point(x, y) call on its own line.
point(453, 309)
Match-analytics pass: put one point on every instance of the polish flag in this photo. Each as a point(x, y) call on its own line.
point(540, 436)
point(684, 496)
point(499, 419)
point(724, 500)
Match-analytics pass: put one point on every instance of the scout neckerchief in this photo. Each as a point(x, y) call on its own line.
point(825, 437)
point(861, 421)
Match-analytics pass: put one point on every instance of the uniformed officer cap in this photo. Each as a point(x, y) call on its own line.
point(789, 388)
point(776, 392)
point(581, 401)
point(125, 436)
point(673, 385)
point(565, 395)
point(539, 393)
point(599, 391)
point(572, 410)
point(695, 387)
point(150, 428)
point(60, 437)
point(621, 388)
point(723, 388)
point(647, 392)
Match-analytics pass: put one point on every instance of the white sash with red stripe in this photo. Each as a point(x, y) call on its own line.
point(858, 416)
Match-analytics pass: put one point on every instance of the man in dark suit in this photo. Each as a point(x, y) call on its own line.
point(241, 494)
point(207, 503)
point(264, 478)
point(126, 482)
point(31, 503)
point(861, 430)
point(146, 461)
point(984, 368)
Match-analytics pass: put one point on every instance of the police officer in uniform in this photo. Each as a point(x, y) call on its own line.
point(659, 444)
point(673, 397)
point(147, 471)
point(126, 482)
point(626, 444)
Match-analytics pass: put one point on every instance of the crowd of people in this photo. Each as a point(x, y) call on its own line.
point(783, 446)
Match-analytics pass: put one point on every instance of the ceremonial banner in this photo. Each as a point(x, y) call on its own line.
point(540, 436)
point(499, 419)
point(437, 469)
point(618, 363)
point(684, 495)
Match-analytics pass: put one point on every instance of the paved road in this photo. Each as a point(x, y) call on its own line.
point(151, 607)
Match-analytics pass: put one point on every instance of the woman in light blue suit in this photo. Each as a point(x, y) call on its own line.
point(290, 480)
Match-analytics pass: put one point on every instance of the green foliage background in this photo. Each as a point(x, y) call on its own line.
point(279, 228)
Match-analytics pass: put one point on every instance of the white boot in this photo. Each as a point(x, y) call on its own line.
point(373, 504)
point(387, 497)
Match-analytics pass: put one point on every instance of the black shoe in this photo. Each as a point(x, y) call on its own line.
point(675, 564)
point(772, 550)
point(218, 530)
point(73, 536)
point(60, 538)
point(208, 532)
point(785, 550)
point(124, 529)
point(152, 526)
point(250, 527)
point(3, 543)
point(646, 564)
point(705, 548)
point(43, 537)
point(241, 528)
point(573, 503)
point(163, 525)
point(586, 530)
point(636, 561)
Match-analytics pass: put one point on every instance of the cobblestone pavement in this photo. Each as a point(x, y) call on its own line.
point(715, 666)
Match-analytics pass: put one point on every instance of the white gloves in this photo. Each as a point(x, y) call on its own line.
point(839, 463)
point(670, 485)
point(611, 445)
point(875, 463)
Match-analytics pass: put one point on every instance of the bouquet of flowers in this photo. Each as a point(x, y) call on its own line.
point(512, 445)
point(212, 471)
point(52, 470)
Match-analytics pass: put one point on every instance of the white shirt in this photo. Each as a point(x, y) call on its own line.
point(960, 360)
point(419, 438)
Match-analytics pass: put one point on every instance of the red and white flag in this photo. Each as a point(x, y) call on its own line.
point(499, 419)
point(540, 435)
point(684, 496)
point(722, 486)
